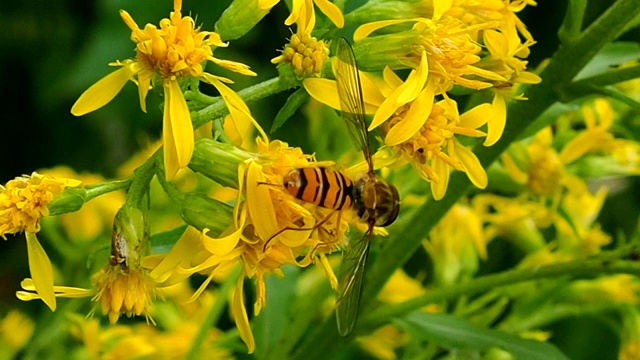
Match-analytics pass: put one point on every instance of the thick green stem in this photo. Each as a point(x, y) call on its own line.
point(141, 178)
point(565, 64)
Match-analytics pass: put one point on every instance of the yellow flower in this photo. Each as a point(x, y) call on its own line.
point(416, 129)
point(305, 53)
point(124, 292)
point(23, 201)
point(15, 330)
point(303, 13)
point(167, 54)
point(452, 38)
point(455, 244)
point(117, 290)
point(270, 229)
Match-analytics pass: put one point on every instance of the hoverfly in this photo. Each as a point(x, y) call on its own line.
point(374, 201)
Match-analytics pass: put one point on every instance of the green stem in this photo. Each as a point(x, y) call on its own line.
point(142, 176)
point(563, 67)
point(253, 93)
point(573, 18)
point(213, 315)
point(96, 190)
point(575, 269)
point(594, 84)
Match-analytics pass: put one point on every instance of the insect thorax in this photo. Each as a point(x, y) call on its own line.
point(375, 201)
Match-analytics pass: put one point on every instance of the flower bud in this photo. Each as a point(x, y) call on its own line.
point(71, 200)
point(219, 162)
point(129, 238)
point(240, 17)
point(202, 212)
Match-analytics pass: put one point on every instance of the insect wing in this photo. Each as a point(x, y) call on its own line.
point(354, 260)
point(351, 100)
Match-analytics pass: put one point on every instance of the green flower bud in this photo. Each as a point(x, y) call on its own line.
point(217, 161)
point(202, 212)
point(130, 237)
point(240, 17)
point(396, 50)
point(72, 199)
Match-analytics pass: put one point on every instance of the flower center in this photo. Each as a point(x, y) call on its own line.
point(306, 54)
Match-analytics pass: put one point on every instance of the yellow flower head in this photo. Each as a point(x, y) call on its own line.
point(416, 129)
point(24, 200)
point(123, 292)
point(305, 53)
point(15, 330)
point(166, 54)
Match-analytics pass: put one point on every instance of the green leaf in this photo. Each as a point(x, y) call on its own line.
point(611, 56)
point(622, 97)
point(452, 332)
point(162, 243)
point(294, 101)
point(270, 325)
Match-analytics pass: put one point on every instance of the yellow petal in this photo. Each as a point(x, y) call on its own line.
point(413, 119)
point(240, 113)
point(240, 316)
point(182, 251)
point(296, 8)
point(403, 94)
point(258, 200)
point(497, 121)
point(440, 7)
point(476, 117)
point(471, 164)
point(177, 129)
point(41, 271)
point(496, 42)
point(267, 4)
point(144, 84)
point(100, 93)
point(582, 144)
point(332, 12)
point(365, 30)
point(415, 81)
point(323, 90)
point(224, 245)
point(439, 188)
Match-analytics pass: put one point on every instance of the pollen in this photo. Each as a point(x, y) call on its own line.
point(305, 53)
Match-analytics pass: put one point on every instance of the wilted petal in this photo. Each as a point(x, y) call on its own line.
point(240, 316)
point(41, 270)
point(102, 92)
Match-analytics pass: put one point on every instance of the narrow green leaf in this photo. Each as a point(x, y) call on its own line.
point(162, 243)
point(455, 333)
point(620, 96)
point(294, 101)
point(611, 56)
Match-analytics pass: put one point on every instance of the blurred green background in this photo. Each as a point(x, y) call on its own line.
point(52, 51)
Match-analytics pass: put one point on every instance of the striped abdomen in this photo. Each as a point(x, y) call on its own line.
point(320, 186)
